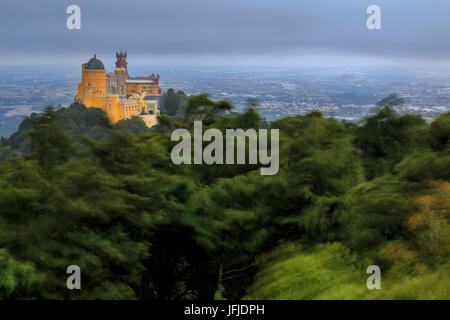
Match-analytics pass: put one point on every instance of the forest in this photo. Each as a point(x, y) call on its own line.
point(77, 190)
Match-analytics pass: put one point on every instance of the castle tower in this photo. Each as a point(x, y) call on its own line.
point(93, 80)
point(121, 61)
point(121, 74)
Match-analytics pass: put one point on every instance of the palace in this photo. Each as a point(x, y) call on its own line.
point(120, 96)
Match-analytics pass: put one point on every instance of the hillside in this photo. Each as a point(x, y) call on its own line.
point(75, 190)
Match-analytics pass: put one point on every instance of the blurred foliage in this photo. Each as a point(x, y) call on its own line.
point(75, 189)
point(331, 272)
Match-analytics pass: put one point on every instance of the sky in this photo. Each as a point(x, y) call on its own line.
point(221, 32)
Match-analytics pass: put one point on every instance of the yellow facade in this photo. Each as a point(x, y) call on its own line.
point(118, 95)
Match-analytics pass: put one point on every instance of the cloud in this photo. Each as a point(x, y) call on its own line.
point(416, 29)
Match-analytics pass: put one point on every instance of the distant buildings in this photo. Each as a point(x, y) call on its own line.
point(120, 96)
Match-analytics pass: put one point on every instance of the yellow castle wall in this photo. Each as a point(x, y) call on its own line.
point(150, 121)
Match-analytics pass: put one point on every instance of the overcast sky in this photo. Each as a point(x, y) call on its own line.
point(226, 31)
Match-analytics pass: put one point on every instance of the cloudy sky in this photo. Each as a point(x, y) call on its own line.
point(227, 31)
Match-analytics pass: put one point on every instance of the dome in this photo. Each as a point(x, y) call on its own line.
point(95, 64)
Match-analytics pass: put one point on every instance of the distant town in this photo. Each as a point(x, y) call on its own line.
point(344, 94)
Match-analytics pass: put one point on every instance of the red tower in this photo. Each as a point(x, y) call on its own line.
point(121, 60)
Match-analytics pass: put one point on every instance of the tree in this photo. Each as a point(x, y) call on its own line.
point(202, 108)
point(49, 142)
point(431, 223)
point(135, 125)
point(173, 101)
point(385, 138)
point(440, 132)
